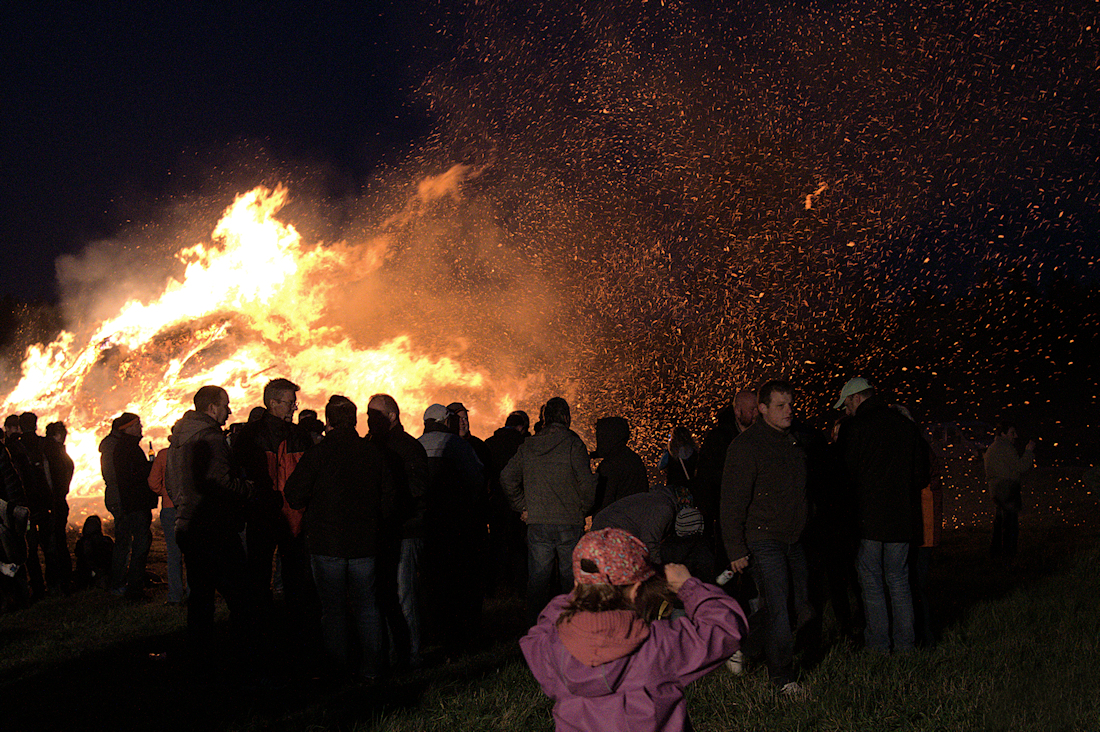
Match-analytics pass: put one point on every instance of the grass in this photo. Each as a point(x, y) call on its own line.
point(1029, 660)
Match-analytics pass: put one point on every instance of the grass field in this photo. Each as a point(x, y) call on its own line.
point(1019, 650)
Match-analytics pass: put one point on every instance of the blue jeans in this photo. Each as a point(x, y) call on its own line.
point(408, 596)
point(884, 569)
point(549, 545)
point(782, 577)
point(347, 586)
point(176, 592)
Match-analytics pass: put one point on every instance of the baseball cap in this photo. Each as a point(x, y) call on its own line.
point(614, 557)
point(854, 386)
point(436, 413)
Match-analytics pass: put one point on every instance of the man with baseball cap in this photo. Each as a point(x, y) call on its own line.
point(887, 465)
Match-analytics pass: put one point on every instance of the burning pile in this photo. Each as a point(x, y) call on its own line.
point(250, 306)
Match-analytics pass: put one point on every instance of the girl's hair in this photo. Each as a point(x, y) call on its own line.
point(652, 594)
point(680, 443)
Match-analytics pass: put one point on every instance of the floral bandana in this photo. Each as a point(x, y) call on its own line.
point(619, 559)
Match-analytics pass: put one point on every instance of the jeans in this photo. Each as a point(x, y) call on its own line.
point(549, 545)
point(405, 641)
point(346, 589)
point(782, 577)
point(884, 569)
point(133, 538)
point(174, 555)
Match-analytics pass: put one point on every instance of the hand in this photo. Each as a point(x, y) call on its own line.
point(1031, 446)
point(523, 516)
point(587, 523)
point(740, 565)
point(676, 575)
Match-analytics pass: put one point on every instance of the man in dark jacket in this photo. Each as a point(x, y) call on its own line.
point(268, 449)
point(343, 485)
point(507, 542)
point(403, 544)
point(649, 516)
point(126, 479)
point(621, 472)
point(210, 501)
point(887, 465)
point(60, 469)
point(550, 482)
point(453, 524)
point(764, 510)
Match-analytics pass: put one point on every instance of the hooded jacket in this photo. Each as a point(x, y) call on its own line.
point(125, 474)
point(550, 477)
point(207, 492)
point(621, 471)
point(604, 674)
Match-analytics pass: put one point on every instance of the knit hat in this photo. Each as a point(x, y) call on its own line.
point(689, 521)
point(611, 557)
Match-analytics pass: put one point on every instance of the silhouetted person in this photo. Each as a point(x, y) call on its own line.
point(621, 471)
point(126, 479)
point(1004, 471)
point(61, 469)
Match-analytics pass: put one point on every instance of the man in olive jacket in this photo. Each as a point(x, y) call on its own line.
point(550, 482)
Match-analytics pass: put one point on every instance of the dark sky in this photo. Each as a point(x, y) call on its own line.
point(110, 108)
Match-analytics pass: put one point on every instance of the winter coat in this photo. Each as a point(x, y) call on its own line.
point(640, 686)
point(61, 469)
point(550, 477)
point(456, 484)
point(268, 450)
point(887, 463)
point(205, 487)
point(125, 474)
point(409, 468)
point(344, 487)
point(649, 516)
point(621, 471)
point(1004, 471)
point(763, 489)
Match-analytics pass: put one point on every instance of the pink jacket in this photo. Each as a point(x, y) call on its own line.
point(643, 690)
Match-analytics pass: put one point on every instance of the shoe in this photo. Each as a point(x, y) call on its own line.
point(736, 663)
point(794, 690)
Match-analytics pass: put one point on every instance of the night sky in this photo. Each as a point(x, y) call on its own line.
point(692, 196)
point(113, 109)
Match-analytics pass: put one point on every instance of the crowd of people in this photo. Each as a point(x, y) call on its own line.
point(382, 545)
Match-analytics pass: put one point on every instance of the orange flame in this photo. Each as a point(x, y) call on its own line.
point(249, 307)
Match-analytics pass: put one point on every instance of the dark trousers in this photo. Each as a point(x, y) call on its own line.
point(549, 547)
point(1006, 531)
point(133, 537)
point(215, 562)
point(781, 575)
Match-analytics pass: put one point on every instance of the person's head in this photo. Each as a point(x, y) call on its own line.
point(519, 421)
point(128, 423)
point(611, 571)
point(556, 411)
point(689, 522)
point(256, 414)
point(213, 401)
point(313, 427)
point(340, 412)
point(745, 408)
point(777, 404)
point(438, 417)
point(387, 406)
point(281, 398)
point(93, 526)
point(57, 431)
point(681, 444)
point(854, 393)
point(28, 423)
point(307, 414)
point(11, 424)
point(1007, 428)
point(463, 415)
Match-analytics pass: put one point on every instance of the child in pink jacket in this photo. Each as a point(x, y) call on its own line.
point(603, 657)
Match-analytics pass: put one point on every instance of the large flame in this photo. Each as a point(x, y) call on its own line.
point(250, 306)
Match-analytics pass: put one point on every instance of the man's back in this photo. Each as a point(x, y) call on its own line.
point(887, 463)
point(550, 477)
